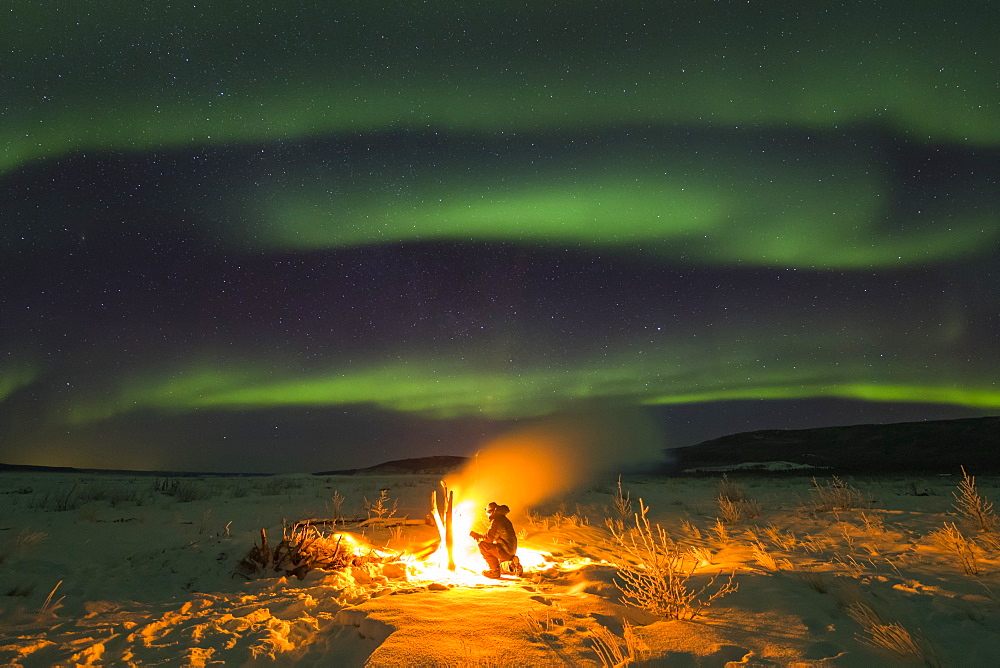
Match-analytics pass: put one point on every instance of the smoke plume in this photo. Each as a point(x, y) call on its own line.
point(528, 466)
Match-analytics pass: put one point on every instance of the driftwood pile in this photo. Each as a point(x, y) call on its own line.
point(303, 548)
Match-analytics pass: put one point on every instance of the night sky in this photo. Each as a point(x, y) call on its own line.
point(244, 237)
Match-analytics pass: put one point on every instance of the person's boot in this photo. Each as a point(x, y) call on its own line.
point(494, 571)
point(515, 567)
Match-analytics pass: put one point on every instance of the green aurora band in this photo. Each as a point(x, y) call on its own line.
point(723, 203)
point(94, 76)
point(668, 373)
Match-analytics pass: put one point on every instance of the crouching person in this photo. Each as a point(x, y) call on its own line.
point(499, 544)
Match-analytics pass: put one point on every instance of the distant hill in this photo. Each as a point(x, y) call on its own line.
point(438, 465)
point(939, 446)
point(29, 468)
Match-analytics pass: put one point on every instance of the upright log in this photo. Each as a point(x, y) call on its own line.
point(449, 534)
point(443, 518)
point(436, 514)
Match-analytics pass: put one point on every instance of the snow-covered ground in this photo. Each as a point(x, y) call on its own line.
point(116, 570)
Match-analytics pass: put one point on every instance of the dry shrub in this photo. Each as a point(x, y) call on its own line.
point(335, 505)
point(951, 539)
point(736, 511)
point(836, 495)
point(721, 532)
point(622, 504)
point(383, 507)
point(658, 570)
point(977, 509)
point(734, 503)
point(730, 489)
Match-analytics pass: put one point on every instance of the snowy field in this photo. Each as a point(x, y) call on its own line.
point(116, 570)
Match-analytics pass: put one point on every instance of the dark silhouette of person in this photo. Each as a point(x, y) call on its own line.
point(499, 544)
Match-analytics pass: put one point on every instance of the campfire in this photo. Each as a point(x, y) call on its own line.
point(455, 554)
point(496, 473)
point(452, 556)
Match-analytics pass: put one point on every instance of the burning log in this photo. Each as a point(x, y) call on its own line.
point(445, 521)
point(449, 527)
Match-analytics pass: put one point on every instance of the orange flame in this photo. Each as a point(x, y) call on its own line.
point(532, 465)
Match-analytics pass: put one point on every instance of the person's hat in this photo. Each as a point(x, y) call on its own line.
point(493, 506)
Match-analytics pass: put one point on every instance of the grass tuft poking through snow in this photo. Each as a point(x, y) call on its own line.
point(51, 603)
point(892, 636)
point(614, 652)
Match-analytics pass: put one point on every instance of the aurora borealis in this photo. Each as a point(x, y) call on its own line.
point(253, 239)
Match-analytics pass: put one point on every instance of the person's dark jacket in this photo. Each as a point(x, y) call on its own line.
point(502, 531)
